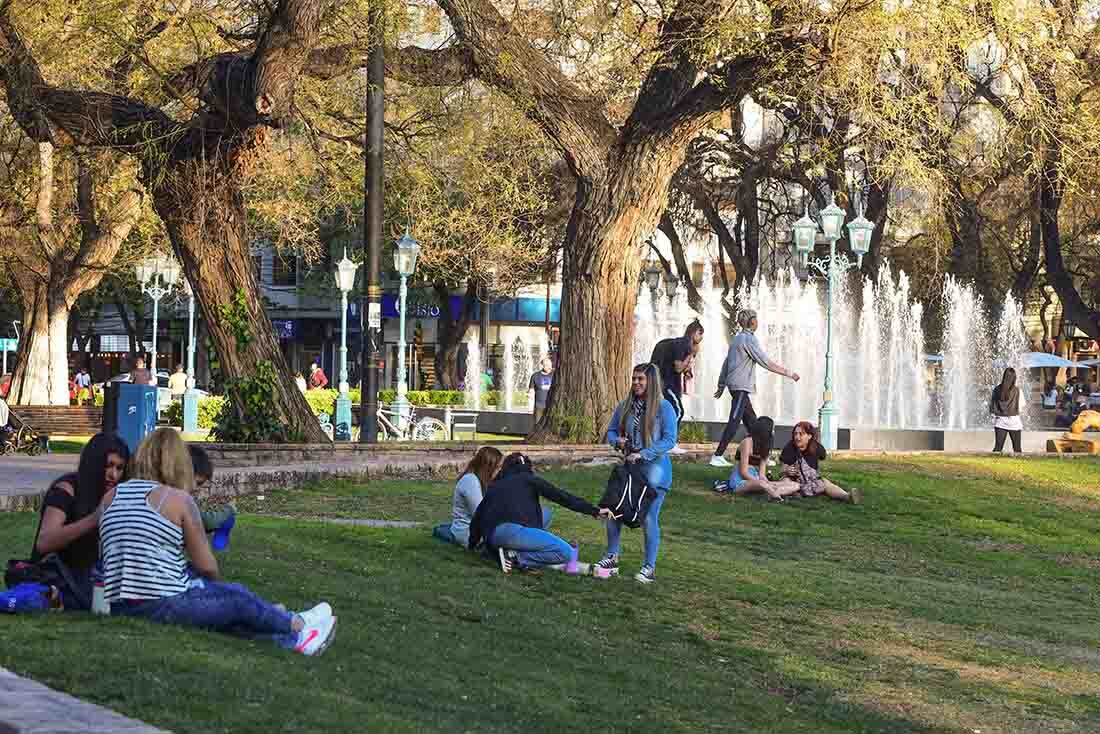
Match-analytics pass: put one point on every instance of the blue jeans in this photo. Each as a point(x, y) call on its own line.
point(651, 527)
point(535, 547)
point(218, 606)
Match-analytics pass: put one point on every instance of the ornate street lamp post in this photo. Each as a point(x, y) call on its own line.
point(805, 236)
point(157, 275)
point(404, 262)
point(345, 281)
point(191, 396)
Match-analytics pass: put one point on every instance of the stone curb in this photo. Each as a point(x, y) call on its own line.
point(28, 707)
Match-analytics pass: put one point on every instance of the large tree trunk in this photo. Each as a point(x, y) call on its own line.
point(1074, 307)
point(452, 330)
point(41, 375)
point(202, 209)
point(601, 267)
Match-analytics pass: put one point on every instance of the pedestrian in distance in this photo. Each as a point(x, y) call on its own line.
point(177, 383)
point(317, 378)
point(538, 389)
point(1004, 404)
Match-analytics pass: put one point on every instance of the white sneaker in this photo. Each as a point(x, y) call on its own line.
point(719, 461)
point(313, 617)
point(507, 560)
point(315, 639)
point(645, 576)
point(677, 450)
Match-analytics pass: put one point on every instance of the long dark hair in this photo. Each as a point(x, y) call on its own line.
point(652, 400)
point(90, 485)
point(762, 434)
point(1008, 383)
point(516, 462)
point(693, 327)
point(809, 430)
point(483, 465)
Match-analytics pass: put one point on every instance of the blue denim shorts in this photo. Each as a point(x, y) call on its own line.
point(735, 476)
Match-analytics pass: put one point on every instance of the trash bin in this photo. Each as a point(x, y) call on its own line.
point(130, 411)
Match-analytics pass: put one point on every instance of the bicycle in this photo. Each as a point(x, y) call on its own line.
point(426, 428)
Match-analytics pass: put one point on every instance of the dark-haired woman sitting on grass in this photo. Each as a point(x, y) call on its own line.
point(69, 523)
point(750, 469)
point(469, 490)
point(801, 461)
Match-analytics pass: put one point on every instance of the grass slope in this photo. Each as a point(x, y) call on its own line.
point(961, 596)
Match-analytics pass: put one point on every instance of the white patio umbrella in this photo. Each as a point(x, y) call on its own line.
point(1034, 360)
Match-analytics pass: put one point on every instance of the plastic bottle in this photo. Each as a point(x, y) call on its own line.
point(573, 568)
point(99, 597)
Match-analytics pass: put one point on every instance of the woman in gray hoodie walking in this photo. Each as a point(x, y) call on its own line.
point(739, 376)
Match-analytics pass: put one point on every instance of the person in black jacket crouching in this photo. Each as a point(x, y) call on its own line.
point(512, 523)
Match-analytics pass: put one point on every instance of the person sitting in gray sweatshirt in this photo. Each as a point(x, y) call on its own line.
point(738, 374)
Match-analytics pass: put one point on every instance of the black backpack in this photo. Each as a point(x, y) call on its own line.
point(628, 495)
point(50, 571)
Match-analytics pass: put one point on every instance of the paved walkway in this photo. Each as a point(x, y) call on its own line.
point(27, 707)
point(22, 474)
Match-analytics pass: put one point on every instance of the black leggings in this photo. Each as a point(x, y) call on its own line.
point(677, 403)
point(999, 439)
point(740, 410)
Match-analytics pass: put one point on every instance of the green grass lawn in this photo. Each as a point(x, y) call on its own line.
point(960, 597)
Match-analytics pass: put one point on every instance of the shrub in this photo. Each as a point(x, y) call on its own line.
point(322, 401)
point(426, 397)
point(210, 409)
point(494, 397)
point(693, 432)
point(573, 425)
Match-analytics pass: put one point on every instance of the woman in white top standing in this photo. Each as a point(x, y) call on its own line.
point(467, 495)
point(149, 530)
point(1004, 404)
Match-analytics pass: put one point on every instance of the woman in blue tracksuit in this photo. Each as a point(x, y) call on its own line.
point(643, 425)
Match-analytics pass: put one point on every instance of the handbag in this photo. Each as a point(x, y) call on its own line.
point(628, 495)
point(50, 571)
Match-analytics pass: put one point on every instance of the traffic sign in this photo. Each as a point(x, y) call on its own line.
point(9, 345)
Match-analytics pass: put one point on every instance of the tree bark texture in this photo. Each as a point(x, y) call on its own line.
point(192, 169)
point(601, 268)
point(50, 274)
point(452, 330)
point(204, 214)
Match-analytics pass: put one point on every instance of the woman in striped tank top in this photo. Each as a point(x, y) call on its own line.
point(149, 529)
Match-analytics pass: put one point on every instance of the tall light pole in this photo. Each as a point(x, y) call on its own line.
point(345, 281)
point(805, 236)
point(191, 396)
point(157, 275)
point(370, 311)
point(404, 262)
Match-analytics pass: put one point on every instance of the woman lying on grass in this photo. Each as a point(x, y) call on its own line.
point(800, 460)
point(149, 528)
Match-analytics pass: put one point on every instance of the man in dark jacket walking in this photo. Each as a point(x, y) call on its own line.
point(671, 357)
point(510, 519)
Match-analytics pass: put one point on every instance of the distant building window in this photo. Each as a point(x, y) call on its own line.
point(731, 275)
point(697, 274)
point(114, 343)
point(284, 270)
